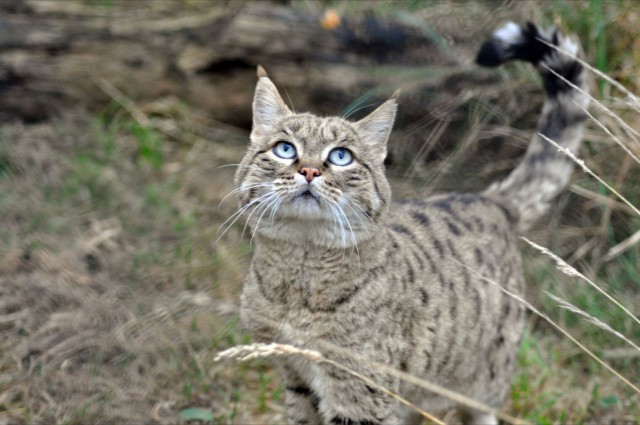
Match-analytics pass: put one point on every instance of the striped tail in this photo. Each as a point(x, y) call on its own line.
point(543, 172)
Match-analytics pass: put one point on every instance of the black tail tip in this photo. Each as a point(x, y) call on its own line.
point(492, 54)
point(512, 41)
point(550, 51)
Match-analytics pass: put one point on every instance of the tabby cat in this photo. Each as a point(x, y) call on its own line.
point(338, 264)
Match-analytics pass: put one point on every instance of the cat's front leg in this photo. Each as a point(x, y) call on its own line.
point(349, 400)
point(301, 403)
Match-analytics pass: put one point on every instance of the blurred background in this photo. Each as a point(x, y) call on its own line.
point(121, 122)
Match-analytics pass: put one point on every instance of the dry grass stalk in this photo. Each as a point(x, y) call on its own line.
point(129, 105)
point(609, 133)
point(622, 246)
point(592, 319)
point(105, 236)
point(588, 171)
point(632, 97)
point(427, 146)
point(571, 271)
point(252, 351)
point(601, 199)
point(620, 353)
point(169, 129)
point(630, 130)
point(555, 325)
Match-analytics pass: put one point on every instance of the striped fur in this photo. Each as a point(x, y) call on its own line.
point(338, 267)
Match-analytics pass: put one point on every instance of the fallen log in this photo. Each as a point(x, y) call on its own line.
point(52, 54)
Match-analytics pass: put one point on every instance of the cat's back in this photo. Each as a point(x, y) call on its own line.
point(468, 228)
point(461, 251)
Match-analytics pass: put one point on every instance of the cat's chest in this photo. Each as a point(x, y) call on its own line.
point(301, 300)
point(310, 289)
point(289, 309)
point(305, 280)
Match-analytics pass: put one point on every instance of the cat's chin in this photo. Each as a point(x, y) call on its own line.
point(323, 231)
point(305, 207)
point(307, 196)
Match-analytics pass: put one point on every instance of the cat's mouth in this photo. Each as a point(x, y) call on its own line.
point(306, 196)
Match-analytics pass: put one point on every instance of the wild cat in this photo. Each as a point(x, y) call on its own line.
point(338, 264)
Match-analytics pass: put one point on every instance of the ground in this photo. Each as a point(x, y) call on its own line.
point(117, 290)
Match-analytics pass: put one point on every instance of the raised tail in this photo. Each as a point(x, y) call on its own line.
point(544, 172)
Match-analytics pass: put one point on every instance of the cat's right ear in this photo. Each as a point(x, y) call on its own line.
point(268, 106)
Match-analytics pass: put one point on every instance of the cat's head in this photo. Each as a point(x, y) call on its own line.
point(319, 179)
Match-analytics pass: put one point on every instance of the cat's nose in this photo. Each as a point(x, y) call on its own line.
point(309, 173)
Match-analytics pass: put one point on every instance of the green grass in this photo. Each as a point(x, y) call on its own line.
point(590, 20)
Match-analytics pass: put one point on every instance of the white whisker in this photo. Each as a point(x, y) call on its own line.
point(274, 210)
point(353, 235)
point(366, 214)
point(272, 202)
point(363, 225)
point(253, 167)
point(239, 213)
point(242, 189)
point(335, 219)
point(341, 224)
point(257, 208)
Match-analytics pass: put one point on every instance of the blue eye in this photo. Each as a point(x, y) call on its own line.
point(285, 150)
point(340, 156)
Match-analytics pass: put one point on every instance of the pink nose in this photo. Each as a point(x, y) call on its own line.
point(309, 173)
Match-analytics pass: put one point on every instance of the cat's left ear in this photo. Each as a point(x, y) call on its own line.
point(375, 128)
point(268, 106)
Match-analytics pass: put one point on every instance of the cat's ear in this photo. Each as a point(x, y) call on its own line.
point(268, 106)
point(375, 128)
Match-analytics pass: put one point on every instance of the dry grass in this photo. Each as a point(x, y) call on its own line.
point(107, 294)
